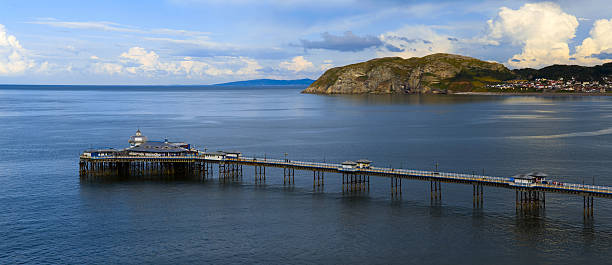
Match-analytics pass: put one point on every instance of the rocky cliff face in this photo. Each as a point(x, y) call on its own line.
point(436, 73)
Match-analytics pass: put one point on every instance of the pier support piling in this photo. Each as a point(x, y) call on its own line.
point(317, 178)
point(396, 187)
point(288, 175)
point(478, 198)
point(435, 190)
point(260, 173)
point(529, 198)
point(588, 206)
point(354, 182)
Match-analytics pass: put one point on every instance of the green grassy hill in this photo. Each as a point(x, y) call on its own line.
point(436, 73)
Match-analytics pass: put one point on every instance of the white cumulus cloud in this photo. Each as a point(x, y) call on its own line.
point(325, 66)
point(146, 62)
point(138, 61)
point(542, 29)
point(251, 67)
point(297, 64)
point(598, 44)
point(107, 68)
point(13, 57)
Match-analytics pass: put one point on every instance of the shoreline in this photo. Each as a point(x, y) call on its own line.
point(471, 94)
point(532, 94)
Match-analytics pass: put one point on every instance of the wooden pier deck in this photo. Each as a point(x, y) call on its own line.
point(394, 173)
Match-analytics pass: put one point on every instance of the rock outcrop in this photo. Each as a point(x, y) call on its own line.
point(436, 73)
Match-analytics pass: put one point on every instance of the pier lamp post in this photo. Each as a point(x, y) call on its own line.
point(285, 157)
point(436, 166)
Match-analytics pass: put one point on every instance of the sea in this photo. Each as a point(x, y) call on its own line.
point(49, 215)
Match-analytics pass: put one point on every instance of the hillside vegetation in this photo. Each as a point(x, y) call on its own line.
point(438, 73)
point(580, 73)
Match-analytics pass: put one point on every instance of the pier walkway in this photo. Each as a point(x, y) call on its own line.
point(87, 163)
point(165, 159)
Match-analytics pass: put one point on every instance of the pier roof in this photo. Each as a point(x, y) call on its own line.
point(214, 153)
point(109, 150)
point(537, 174)
point(157, 147)
point(531, 176)
point(523, 176)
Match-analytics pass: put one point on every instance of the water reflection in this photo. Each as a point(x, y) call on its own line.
point(566, 135)
point(43, 132)
point(413, 99)
point(418, 99)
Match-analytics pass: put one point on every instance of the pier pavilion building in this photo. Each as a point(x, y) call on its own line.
point(141, 146)
point(137, 139)
point(363, 163)
point(158, 148)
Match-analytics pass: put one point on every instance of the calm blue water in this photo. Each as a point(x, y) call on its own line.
point(48, 215)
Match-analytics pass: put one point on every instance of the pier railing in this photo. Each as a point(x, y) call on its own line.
point(393, 172)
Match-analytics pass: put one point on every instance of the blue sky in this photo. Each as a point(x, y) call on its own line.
point(211, 41)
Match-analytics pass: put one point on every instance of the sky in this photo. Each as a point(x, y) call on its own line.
point(191, 42)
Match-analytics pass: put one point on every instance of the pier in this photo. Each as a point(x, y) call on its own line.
point(166, 159)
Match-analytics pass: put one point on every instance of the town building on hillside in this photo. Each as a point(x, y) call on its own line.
point(549, 85)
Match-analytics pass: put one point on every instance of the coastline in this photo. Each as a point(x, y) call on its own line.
point(532, 94)
point(477, 94)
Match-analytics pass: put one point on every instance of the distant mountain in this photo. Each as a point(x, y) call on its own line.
point(436, 73)
point(269, 82)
